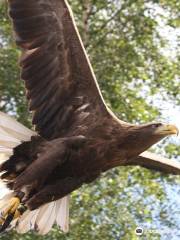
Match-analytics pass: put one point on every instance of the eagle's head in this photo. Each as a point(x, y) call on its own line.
point(158, 130)
point(142, 137)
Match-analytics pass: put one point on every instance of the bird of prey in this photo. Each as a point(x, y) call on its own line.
point(76, 136)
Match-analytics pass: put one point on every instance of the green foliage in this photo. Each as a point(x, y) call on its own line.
point(126, 50)
point(12, 92)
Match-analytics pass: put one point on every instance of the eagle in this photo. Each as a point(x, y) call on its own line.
point(76, 137)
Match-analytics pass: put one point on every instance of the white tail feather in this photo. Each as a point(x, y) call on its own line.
point(62, 211)
point(46, 219)
point(12, 134)
point(43, 216)
point(27, 221)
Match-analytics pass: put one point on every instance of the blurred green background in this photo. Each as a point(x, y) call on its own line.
point(134, 50)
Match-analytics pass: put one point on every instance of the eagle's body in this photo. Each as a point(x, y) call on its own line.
point(77, 137)
point(79, 159)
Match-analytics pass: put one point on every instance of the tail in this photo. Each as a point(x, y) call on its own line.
point(42, 219)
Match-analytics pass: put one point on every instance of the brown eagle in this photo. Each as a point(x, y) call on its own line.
point(77, 137)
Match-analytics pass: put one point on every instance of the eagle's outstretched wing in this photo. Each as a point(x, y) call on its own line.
point(61, 87)
point(156, 162)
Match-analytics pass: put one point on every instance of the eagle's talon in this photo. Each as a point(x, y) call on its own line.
point(7, 222)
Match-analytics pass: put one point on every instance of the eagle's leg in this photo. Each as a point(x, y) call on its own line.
point(53, 192)
point(11, 208)
point(12, 211)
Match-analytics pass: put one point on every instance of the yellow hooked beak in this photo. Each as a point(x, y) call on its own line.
point(167, 129)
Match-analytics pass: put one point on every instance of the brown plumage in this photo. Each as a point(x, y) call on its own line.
point(78, 136)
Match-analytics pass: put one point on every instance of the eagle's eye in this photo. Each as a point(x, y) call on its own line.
point(156, 125)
